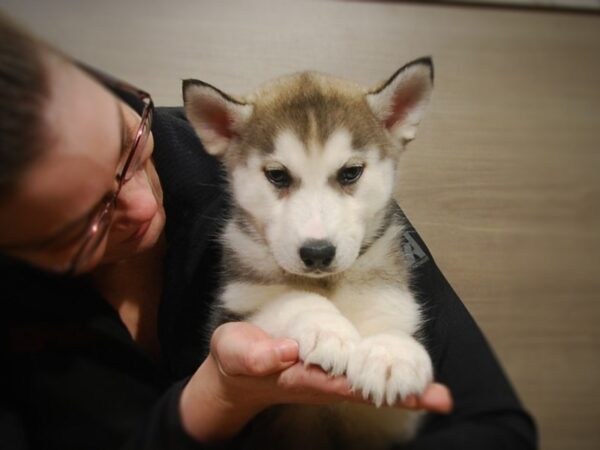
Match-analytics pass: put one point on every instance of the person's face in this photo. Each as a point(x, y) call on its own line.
point(89, 132)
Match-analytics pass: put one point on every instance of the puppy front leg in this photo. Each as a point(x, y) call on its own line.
point(325, 337)
point(389, 363)
point(387, 367)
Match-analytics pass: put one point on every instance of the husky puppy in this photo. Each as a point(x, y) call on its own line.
point(312, 248)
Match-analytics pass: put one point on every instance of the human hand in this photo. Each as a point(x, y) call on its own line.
point(247, 371)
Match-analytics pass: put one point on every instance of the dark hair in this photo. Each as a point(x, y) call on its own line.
point(23, 95)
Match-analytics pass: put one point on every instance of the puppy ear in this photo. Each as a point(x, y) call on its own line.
point(216, 117)
point(400, 102)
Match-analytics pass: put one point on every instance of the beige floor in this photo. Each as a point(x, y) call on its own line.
point(502, 181)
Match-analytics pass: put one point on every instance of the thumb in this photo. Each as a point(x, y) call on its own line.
point(244, 349)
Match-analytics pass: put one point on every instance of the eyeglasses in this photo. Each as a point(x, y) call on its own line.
point(101, 216)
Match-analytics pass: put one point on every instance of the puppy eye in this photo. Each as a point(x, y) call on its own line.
point(349, 175)
point(278, 177)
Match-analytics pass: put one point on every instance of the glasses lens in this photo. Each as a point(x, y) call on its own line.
point(138, 153)
point(97, 233)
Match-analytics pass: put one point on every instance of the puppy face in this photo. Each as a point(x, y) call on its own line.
point(311, 158)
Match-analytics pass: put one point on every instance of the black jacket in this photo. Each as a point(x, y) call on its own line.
point(72, 377)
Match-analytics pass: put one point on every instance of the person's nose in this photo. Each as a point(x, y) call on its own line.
point(136, 202)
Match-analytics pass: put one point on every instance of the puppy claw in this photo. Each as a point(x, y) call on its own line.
point(386, 368)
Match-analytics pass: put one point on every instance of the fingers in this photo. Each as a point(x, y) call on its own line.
point(267, 357)
point(241, 348)
point(307, 378)
point(311, 385)
point(436, 398)
point(315, 386)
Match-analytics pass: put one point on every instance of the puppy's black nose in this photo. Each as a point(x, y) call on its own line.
point(317, 254)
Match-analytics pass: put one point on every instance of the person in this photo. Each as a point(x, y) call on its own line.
point(109, 210)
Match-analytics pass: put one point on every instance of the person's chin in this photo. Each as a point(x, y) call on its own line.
point(135, 244)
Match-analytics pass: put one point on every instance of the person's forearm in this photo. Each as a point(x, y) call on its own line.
point(205, 414)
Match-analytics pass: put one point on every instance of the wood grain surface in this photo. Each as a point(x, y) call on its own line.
point(502, 182)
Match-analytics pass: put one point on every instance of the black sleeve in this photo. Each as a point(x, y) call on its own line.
point(487, 413)
point(73, 379)
point(11, 426)
point(162, 429)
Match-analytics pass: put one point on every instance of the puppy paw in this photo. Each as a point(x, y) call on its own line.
point(386, 368)
point(325, 339)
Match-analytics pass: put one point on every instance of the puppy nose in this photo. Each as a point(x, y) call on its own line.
point(317, 254)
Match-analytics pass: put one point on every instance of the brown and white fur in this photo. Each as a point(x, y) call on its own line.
point(312, 249)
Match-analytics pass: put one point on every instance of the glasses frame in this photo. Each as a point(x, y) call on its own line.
point(100, 220)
